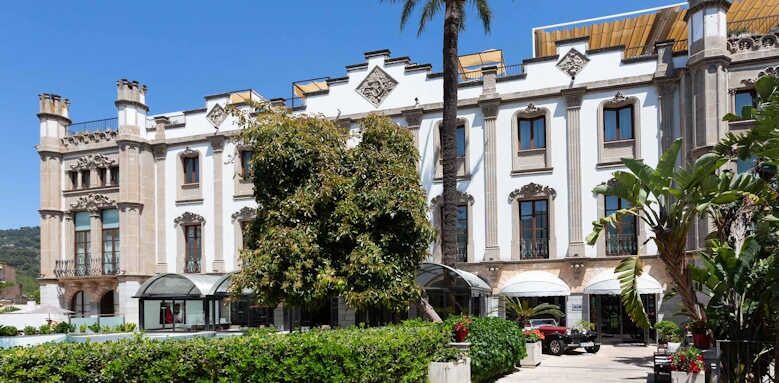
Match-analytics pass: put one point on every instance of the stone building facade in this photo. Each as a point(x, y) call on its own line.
point(534, 139)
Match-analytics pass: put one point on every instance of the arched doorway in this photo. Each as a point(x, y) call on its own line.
point(107, 303)
point(78, 303)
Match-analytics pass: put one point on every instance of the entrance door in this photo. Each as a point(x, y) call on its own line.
point(107, 303)
point(611, 320)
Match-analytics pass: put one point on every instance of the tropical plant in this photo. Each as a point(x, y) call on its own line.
point(668, 200)
point(454, 17)
point(524, 312)
point(584, 325)
point(333, 220)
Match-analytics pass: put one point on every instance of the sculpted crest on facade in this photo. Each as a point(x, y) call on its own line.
point(376, 86)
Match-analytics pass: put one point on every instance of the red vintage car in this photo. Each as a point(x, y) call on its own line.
point(559, 339)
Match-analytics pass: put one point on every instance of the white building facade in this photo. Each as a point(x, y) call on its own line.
point(533, 140)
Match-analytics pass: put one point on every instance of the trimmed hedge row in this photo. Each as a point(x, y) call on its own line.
point(395, 353)
point(399, 353)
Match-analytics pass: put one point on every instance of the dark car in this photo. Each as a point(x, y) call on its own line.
point(559, 339)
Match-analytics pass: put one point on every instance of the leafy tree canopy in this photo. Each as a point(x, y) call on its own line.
point(333, 218)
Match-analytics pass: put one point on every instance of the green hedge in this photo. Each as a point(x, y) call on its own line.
point(497, 345)
point(389, 354)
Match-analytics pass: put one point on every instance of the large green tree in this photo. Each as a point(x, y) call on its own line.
point(454, 17)
point(333, 220)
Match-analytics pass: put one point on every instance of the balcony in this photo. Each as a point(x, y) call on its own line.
point(621, 244)
point(103, 125)
point(534, 248)
point(192, 266)
point(93, 267)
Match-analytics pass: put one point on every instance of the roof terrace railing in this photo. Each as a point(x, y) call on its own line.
point(106, 124)
point(646, 50)
point(758, 25)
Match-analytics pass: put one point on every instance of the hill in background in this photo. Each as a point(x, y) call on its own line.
point(21, 248)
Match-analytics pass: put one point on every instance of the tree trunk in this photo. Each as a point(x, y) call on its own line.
point(428, 311)
point(449, 155)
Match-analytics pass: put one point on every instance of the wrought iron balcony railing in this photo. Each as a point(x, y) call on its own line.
point(106, 124)
point(90, 267)
point(534, 248)
point(192, 266)
point(621, 244)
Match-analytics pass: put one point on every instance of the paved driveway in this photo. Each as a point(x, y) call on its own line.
point(611, 364)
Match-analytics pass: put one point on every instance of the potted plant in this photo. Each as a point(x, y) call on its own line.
point(700, 338)
point(669, 335)
point(461, 329)
point(687, 366)
point(533, 345)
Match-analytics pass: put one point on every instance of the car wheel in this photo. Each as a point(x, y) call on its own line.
point(556, 347)
point(592, 349)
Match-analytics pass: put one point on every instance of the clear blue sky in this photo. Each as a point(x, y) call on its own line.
point(184, 50)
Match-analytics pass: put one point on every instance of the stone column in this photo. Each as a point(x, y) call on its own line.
point(160, 151)
point(489, 106)
point(95, 241)
point(217, 145)
point(51, 241)
point(573, 100)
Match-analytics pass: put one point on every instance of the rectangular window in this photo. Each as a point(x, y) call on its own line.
point(82, 243)
point(744, 99)
point(459, 140)
point(461, 226)
point(110, 218)
point(101, 176)
point(621, 238)
point(618, 123)
point(85, 179)
point(191, 170)
point(246, 163)
point(532, 133)
point(73, 176)
point(193, 249)
point(534, 229)
point(114, 175)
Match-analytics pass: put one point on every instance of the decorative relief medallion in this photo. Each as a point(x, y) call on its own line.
point(93, 203)
point(572, 63)
point(618, 98)
point(217, 115)
point(91, 161)
point(532, 190)
point(189, 218)
point(244, 214)
point(461, 197)
point(376, 86)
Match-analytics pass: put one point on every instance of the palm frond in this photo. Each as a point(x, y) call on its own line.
point(485, 13)
point(628, 271)
point(431, 8)
point(609, 220)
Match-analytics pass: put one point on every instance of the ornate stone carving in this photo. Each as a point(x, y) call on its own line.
point(91, 161)
point(572, 63)
point(489, 107)
point(88, 138)
point(462, 198)
point(618, 98)
point(244, 214)
point(531, 109)
point(770, 71)
point(159, 151)
point(376, 86)
point(216, 116)
point(747, 42)
point(532, 190)
point(189, 218)
point(93, 203)
point(189, 152)
point(217, 143)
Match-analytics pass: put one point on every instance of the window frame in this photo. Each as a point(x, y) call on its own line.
point(193, 252)
point(462, 255)
point(611, 153)
point(463, 163)
point(534, 229)
point(532, 121)
point(436, 208)
point(532, 192)
point(619, 227)
point(753, 96)
point(81, 237)
point(191, 176)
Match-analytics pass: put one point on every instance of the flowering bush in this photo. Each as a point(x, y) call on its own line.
point(532, 336)
point(463, 324)
point(689, 360)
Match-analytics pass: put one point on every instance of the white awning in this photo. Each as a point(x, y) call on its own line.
point(535, 284)
point(607, 283)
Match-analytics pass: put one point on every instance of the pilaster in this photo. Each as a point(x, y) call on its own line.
point(51, 229)
point(573, 99)
point(413, 119)
point(490, 104)
point(95, 237)
point(666, 90)
point(217, 145)
point(160, 151)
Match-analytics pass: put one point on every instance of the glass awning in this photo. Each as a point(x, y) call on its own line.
point(435, 276)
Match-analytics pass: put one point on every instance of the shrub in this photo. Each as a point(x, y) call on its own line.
point(29, 330)
point(497, 345)
point(689, 360)
point(82, 328)
point(94, 327)
point(63, 328)
point(389, 354)
point(668, 331)
point(8, 331)
point(46, 329)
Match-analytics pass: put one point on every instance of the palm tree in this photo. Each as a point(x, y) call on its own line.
point(454, 12)
point(524, 312)
point(668, 201)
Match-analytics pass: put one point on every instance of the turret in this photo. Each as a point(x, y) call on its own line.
point(131, 106)
point(54, 118)
point(707, 28)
